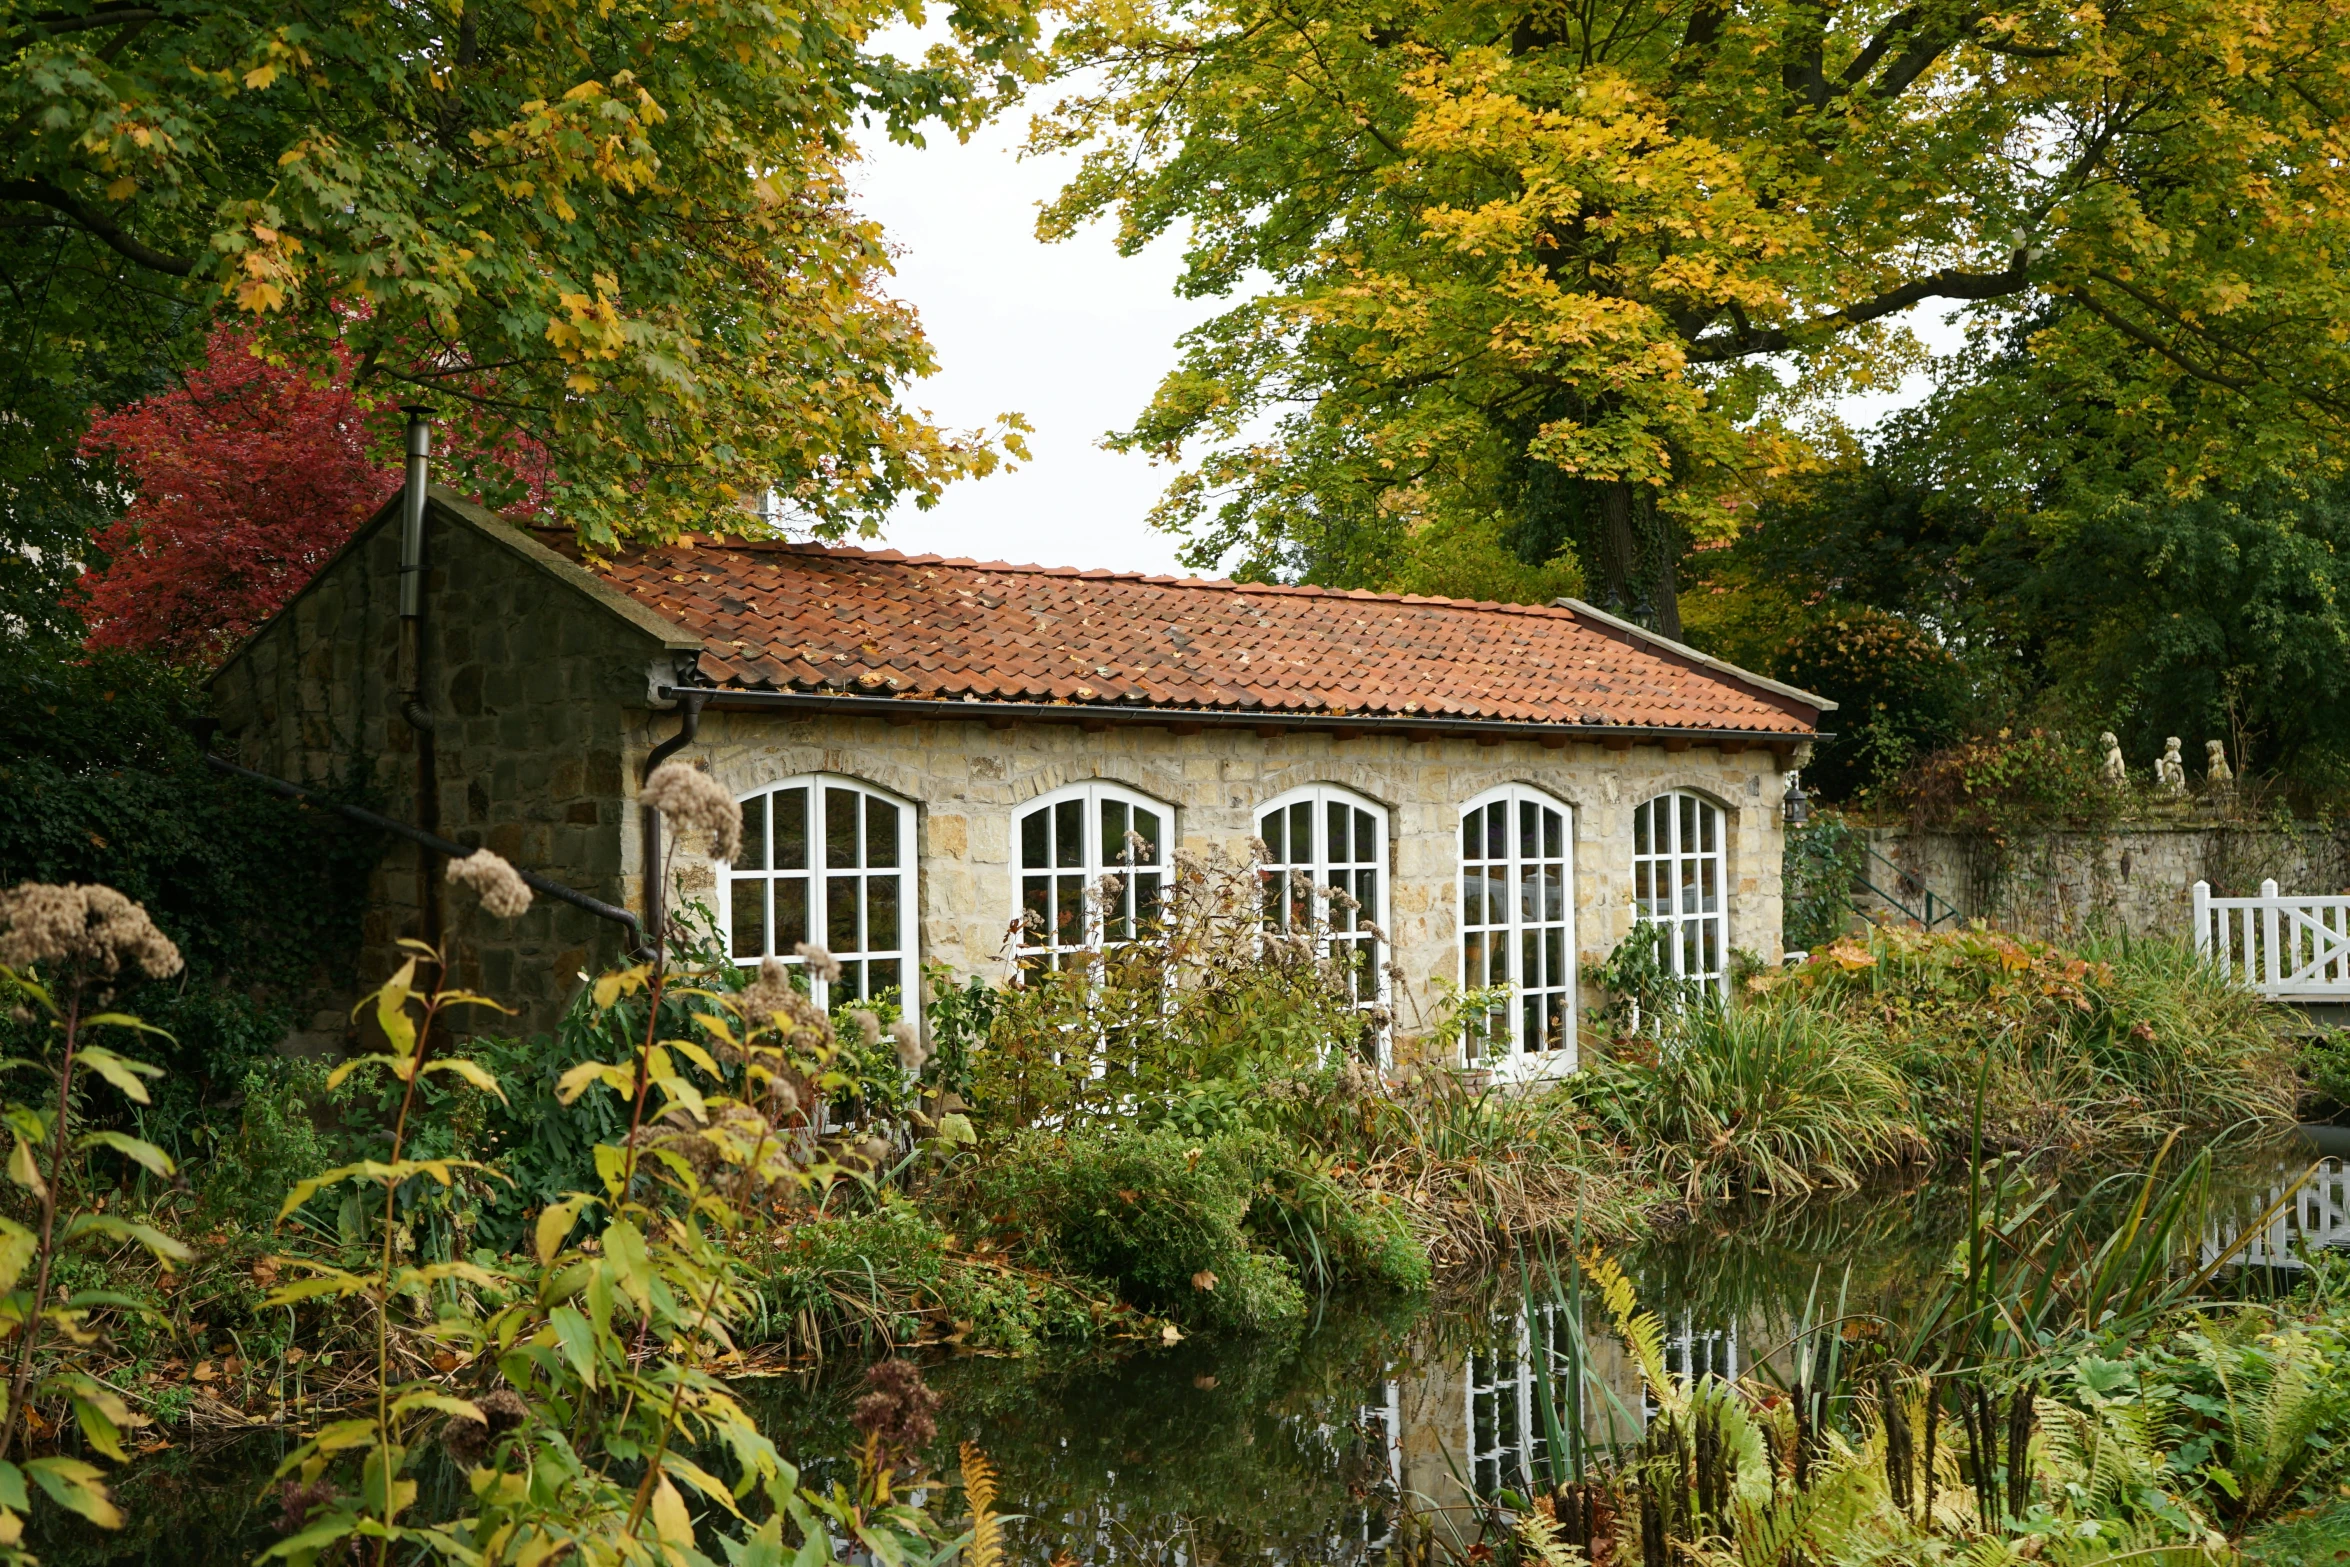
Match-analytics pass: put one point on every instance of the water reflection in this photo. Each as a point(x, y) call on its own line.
point(1305, 1447)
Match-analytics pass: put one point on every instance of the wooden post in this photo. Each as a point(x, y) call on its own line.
point(2203, 919)
point(2271, 976)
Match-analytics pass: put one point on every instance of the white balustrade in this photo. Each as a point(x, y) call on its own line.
point(2287, 948)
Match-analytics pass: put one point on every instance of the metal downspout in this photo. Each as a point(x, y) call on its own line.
point(412, 708)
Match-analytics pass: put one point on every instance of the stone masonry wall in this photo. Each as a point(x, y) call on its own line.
point(527, 673)
point(2064, 885)
point(969, 781)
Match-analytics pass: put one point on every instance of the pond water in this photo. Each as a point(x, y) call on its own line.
point(1299, 1447)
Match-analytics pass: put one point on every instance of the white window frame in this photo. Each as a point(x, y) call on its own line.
point(1509, 1445)
point(1559, 958)
point(1281, 902)
point(1684, 872)
point(1098, 861)
point(819, 878)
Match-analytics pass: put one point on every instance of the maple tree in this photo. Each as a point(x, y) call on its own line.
point(1576, 272)
point(617, 234)
point(246, 478)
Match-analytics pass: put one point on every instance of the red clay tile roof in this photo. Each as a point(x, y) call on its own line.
point(805, 617)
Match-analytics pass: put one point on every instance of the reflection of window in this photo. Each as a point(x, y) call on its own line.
point(1677, 880)
point(1331, 839)
point(1509, 1441)
point(830, 861)
point(1517, 916)
point(1069, 844)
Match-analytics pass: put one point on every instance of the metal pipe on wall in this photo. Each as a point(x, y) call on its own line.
point(412, 653)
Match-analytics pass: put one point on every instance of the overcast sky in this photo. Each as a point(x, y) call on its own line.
point(1072, 335)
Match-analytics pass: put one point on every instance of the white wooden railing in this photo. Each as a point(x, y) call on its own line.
point(2288, 949)
point(2318, 1215)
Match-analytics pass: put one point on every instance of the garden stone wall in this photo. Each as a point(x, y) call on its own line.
point(2067, 884)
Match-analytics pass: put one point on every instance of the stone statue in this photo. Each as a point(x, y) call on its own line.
point(2170, 774)
point(2215, 765)
point(2117, 771)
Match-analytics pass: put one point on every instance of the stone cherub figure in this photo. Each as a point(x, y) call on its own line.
point(2215, 765)
point(2170, 774)
point(2116, 771)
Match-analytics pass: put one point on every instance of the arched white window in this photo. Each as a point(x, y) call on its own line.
point(1332, 838)
point(1518, 924)
point(830, 861)
point(1678, 880)
point(1065, 845)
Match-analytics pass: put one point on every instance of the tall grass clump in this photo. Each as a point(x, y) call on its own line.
point(1778, 1099)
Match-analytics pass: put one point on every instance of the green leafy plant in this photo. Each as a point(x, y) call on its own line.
point(62, 952)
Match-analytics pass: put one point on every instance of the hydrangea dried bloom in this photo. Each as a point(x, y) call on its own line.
point(499, 885)
point(93, 928)
point(697, 803)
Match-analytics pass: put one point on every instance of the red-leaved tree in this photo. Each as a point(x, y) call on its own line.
point(247, 478)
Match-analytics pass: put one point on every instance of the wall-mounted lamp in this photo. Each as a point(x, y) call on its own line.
point(1796, 807)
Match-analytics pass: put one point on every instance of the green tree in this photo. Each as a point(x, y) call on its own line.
point(1571, 272)
point(613, 239)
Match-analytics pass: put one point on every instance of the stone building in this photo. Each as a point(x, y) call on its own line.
point(928, 750)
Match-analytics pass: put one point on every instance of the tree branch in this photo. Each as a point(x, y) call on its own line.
point(94, 224)
point(1945, 284)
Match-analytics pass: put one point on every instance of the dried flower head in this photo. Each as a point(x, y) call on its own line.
point(873, 1150)
point(769, 994)
point(298, 1499)
point(468, 1439)
point(899, 1412)
point(868, 1027)
point(821, 963)
point(696, 802)
point(93, 928)
point(499, 885)
point(1341, 898)
point(912, 1052)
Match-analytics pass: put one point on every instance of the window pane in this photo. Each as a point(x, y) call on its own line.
point(1688, 823)
point(791, 830)
point(1711, 894)
point(1367, 893)
point(1497, 831)
point(881, 831)
point(1069, 911)
point(840, 828)
point(1640, 843)
point(1069, 833)
point(1554, 893)
point(1036, 909)
point(749, 917)
point(1338, 848)
point(1301, 834)
point(754, 855)
point(1366, 839)
point(1529, 894)
point(1146, 896)
point(1641, 895)
point(1529, 958)
point(1274, 830)
point(1147, 827)
point(1530, 1018)
point(882, 974)
point(881, 913)
point(1708, 819)
point(1554, 950)
point(1470, 843)
point(1554, 835)
point(1529, 830)
point(840, 913)
point(1473, 959)
point(1114, 850)
point(791, 912)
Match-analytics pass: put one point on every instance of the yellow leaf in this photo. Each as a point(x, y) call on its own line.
point(23, 1171)
point(260, 76)
point(675, 1524)
point(122, 189)
point(554, 1224)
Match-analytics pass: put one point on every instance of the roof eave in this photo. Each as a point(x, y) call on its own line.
point(1427, 726)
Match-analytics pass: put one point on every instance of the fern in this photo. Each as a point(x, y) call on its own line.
point(987, 1530)
point(1538, 1533)
point(1639, 1329)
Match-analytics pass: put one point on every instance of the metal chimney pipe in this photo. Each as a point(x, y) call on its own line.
point(412, 510)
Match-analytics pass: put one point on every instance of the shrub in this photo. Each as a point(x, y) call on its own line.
point(882, 1278)
point(277, 1142)
point(1161, 1218)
